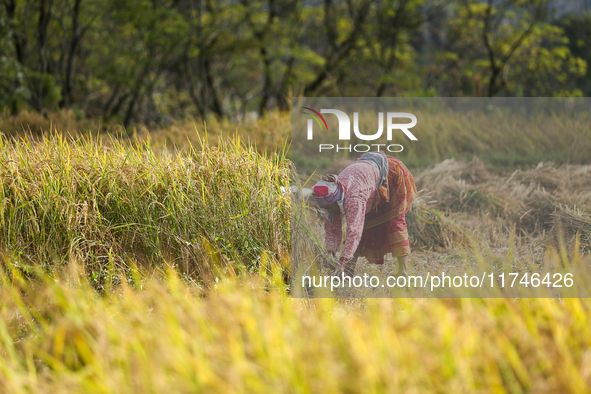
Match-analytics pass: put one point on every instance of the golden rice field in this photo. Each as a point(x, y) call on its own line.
point(129, 265)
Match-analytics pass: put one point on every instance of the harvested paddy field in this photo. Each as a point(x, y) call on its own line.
point(130, 269)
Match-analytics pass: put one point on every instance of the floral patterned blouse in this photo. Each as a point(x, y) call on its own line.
point(359, 180)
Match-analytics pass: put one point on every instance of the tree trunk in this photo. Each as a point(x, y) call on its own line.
point(216, 106)
point(266, 93)
point(67, 90)
point(19, 47)
point(43, 67)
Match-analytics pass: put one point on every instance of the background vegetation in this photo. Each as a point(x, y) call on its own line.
point(161, 60)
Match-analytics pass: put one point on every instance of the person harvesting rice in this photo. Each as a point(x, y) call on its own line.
point(374, 194)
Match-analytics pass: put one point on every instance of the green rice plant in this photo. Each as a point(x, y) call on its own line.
point(109, 204)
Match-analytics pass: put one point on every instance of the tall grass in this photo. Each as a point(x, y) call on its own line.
point(109, 205)
point(503, 139)
point(498, 138)
point(269, 134)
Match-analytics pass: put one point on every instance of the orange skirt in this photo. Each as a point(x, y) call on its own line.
point(385, 230)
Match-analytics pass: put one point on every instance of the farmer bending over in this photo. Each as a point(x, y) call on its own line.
point(374, 193)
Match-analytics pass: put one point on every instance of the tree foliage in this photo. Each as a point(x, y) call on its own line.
point(155, 60)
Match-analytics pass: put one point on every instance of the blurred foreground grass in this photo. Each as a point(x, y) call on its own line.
point(57, 335)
